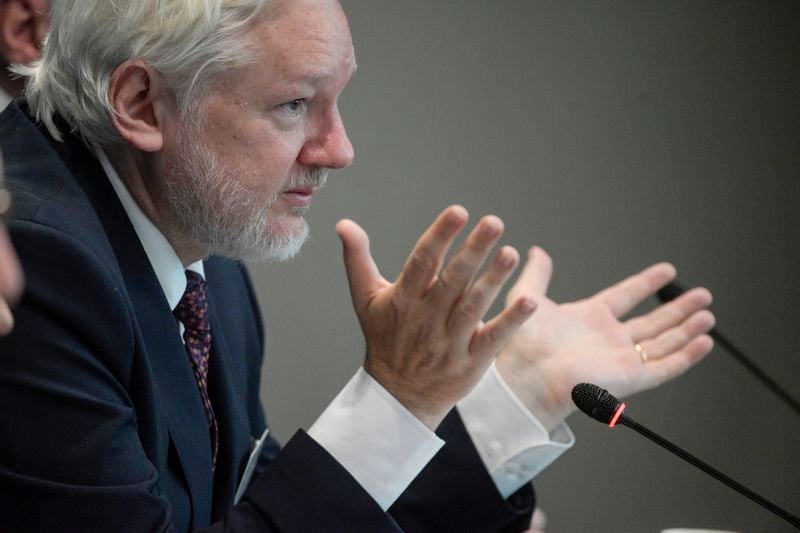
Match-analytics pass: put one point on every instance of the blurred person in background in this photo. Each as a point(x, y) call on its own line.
point(23, 27)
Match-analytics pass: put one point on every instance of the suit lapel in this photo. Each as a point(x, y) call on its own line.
point(177, 388)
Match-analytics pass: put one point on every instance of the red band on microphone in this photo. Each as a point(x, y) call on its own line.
point(618, 414)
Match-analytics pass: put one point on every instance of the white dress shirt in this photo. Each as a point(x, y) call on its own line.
point(372, 435)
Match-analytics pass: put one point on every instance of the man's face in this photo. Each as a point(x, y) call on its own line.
point(245, 167)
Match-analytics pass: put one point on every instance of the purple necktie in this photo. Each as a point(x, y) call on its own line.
point(192, 311)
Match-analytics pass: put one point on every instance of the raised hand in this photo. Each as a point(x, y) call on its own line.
point(588, 340)
point(426, 341)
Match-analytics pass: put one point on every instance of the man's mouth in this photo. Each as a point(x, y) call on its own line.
point(303, 187)
point(299, 196)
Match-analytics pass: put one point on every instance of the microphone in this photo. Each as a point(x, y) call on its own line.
point(673, 290)
point(599, 404)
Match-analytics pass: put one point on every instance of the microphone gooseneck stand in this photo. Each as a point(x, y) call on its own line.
point(674, 289)
point(601, 405)
point(710, 470)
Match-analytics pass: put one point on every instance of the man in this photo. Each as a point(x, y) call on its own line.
point(193, 130)
point(23, 26)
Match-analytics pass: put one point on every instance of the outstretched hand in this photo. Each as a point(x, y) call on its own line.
point(588, 340)
point(426, 340)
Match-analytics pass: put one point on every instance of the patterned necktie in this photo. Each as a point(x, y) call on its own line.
point(192, 311)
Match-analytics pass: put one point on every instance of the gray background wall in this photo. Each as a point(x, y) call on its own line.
point(614, 134)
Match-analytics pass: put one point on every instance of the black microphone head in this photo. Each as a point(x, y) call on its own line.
point(670, 291)
point(596, 402)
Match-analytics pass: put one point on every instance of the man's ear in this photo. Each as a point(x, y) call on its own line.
point(23, 26)
point(141, 105)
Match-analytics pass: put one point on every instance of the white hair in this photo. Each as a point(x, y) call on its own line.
point(191, 43)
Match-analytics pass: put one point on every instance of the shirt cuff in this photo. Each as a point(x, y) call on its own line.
point(375, 438)
point(513, 444)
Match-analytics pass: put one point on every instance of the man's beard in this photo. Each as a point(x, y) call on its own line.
point(213, 209)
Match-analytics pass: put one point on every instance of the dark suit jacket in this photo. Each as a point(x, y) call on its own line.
point(103, 427)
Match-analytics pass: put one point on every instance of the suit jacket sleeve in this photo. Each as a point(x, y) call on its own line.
point(456, 493)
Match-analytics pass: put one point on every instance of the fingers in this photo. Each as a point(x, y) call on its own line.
point(6, 318)
point(495, 333)
point(362, 272)
point(661, 370)
point(674, 339)
point(535, 276)
point(428, 254)
point(465, 263)
point(668, 315)
point(11, 277)
point(538, 520)
point(480, 296)
point(630, 292)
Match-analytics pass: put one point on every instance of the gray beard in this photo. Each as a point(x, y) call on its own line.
point(213, 209)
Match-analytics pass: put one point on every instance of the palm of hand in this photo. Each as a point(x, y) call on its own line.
point(585, 341)
point(574, 343)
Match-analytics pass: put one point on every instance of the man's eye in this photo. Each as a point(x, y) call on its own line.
point(294, 106)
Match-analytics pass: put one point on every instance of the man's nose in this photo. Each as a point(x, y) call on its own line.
point(331, 147)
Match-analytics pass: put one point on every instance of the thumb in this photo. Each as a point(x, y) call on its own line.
point(535, 276)
point(362, 273)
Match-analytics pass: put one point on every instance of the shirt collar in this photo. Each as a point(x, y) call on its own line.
point(166, 263)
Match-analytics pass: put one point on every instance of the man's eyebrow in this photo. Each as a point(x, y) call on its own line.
point(314, 77)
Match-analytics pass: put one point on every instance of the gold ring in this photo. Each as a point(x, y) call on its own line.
point(642, 352)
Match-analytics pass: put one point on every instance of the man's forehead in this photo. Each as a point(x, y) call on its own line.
point(323, 17)
point(306, 43)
